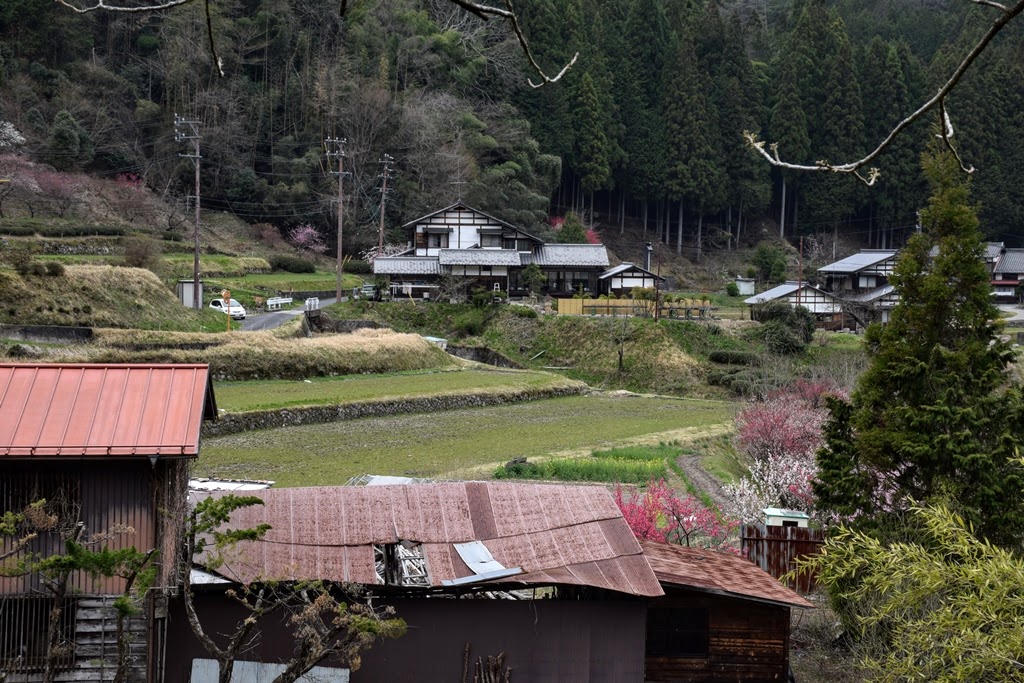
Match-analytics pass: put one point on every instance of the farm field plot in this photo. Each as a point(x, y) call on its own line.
point(268, 395)
point(454, 443)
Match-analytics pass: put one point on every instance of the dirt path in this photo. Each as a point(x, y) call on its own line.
point(702, 479)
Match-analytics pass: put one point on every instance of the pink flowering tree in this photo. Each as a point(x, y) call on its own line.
point(781, 435)
point(659, 514)
point(62, 190)
point(305, 236)
point(593, 237)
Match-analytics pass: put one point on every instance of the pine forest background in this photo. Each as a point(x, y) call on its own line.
point(645, 130)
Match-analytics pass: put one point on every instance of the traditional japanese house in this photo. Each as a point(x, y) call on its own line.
point(1007, 273)
point(827, 309)
point(549, 575)
point(107, 447)
point(463, 242)
point(625, 277)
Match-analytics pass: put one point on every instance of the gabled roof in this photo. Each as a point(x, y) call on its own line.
point(717, 572)
point(478, 257)
point(461, 206)
point(625, 268)
point(993, 249)
point(88, 410)
point(553, 534)
point(406, 265)
point(1011, 261)
point(554, 255)
point(782, 291)
point(859, 261)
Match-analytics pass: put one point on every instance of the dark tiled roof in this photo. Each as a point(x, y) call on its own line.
point(568, 255)
point(478, 257)
point(407, 265)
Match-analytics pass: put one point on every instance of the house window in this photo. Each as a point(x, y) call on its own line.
point(24, 622)
point(866, 281)
point(490, 241)
point(677, 632)
point(485, 270)
point(437, 240)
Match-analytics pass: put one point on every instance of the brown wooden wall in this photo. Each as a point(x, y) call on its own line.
point(104, 495)
point(748, 642)
point(775, 549)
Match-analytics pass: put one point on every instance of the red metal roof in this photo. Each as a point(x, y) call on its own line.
point(87, 410)
point(556, 534)
point(717, 572)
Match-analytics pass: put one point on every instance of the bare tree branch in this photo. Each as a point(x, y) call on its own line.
point(1007, 15)
point(483, 12)
point(946, 132)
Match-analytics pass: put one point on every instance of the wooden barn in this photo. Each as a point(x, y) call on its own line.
point(549, 575)
point(107, 447)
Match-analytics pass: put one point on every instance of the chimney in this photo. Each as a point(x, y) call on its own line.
point(648, 249)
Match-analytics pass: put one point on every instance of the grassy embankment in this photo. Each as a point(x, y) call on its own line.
point(459, 443)
point(102, 296)
point(238, 397)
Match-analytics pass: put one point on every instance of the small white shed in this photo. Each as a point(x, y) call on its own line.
point(780, 517)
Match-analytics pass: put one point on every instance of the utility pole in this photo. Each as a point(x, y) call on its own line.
point(385, 175)
point(336, 148)
point(180, 135)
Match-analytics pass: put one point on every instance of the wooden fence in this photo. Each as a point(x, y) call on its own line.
point(775, 549)
point(685, 309)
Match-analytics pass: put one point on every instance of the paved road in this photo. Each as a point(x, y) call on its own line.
point(272, 319)
point(1018, 313)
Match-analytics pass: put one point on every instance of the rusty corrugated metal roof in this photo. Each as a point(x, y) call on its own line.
point(717, 572)
point(86, 410)
point(556, 534)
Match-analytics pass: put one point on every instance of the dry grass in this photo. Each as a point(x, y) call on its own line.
point(99, 296)
point(267, 355)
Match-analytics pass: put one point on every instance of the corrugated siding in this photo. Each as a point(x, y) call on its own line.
point(103, 495)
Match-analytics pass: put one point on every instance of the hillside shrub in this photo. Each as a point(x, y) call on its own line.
point(358, 267)
point(470, 324)
point(141, 252)
point(523, 311)
point(291, 264)
point(36, 268)
point(733, 357)
point(732, 289)
point(585, 469)
point(54, 268)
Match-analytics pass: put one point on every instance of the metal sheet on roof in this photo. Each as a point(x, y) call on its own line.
point(85, 410)
point(625, 268)
point(859, 261)
point(478, 257)
point(772, 294)
point(871, 295)
point(717, 572)
point(406, 265)
point(555, 534)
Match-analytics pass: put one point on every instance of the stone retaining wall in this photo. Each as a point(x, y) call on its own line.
point(54, 334)
point(233, 423)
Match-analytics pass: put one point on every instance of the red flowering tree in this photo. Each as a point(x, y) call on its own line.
point(659, 514)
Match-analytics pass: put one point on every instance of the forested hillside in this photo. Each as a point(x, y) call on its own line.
point(647, 126)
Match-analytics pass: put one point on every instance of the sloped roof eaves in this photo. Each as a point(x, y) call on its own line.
point(555, 534)
point(1010, 262)
point(717, 572)
point(86, 410)
point(478, 257)
point(624, 268)
point(568, 255)
point(771, 294)
point(407, 265)
point(872, 295)
point(857, 262)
